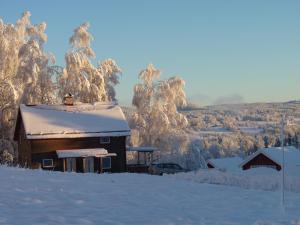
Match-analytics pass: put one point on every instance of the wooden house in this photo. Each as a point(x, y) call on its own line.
point(272, 158)
point(210, 164)
point(79, 137)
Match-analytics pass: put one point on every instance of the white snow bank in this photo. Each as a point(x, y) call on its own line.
point(227, 163)
point(266, 179)
point(50, 198)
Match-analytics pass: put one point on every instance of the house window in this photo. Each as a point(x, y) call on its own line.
point(104, 140)
point(88, 165)
point(106, 163)
point(71, 164)
point(47, 163)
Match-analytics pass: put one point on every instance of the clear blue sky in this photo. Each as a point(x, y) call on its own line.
point(234, 50)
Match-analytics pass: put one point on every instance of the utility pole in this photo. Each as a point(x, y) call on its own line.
point(282, 163)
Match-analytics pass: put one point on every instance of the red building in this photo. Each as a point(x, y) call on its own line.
point(272, 158)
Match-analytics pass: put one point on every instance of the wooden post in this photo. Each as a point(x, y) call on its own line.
point(64, 165)
point(101, 167)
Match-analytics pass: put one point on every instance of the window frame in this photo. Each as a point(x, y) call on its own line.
point(106, 168)
point(102, 140)
point(47, 166)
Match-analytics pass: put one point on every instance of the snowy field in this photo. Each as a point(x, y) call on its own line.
point(266, 179)
point(40, 197)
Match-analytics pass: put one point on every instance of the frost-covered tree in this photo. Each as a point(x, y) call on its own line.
point(6, 157)
point(156, 120)
point(12, 38)
point(80, 77)
point(111, 73)
point(26, 72)
point(36, 68)
point(195, 157)
point(156, 105)
point(229, 123)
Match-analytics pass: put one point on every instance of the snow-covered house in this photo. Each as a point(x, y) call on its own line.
point(225, 164)
point(272, 157)
point(81, 137)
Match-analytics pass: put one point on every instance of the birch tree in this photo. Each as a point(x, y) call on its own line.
point(35, 72)
point(25, 72)
point(156, 121)
point(80, 77)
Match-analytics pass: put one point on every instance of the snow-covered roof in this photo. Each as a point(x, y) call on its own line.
point(80, 120)
point(74, 153)
point(291, 157)
point(227, 164)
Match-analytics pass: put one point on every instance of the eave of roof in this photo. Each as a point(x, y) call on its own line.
point(249, 158)
point(78, 135)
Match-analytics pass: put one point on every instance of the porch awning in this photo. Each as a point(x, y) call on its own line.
point(76, 153)
point(141, 149)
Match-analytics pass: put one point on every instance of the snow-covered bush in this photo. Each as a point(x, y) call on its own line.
point(6, 157)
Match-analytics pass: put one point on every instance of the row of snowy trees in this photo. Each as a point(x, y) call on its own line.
point(29, 75)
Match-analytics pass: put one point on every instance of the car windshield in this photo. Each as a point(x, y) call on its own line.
point(177, 167)
point(172, 166)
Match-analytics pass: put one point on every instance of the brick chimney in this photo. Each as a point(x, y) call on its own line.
point(68, 99)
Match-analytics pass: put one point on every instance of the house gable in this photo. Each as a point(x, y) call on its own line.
point(210, 165)
point(261, 160)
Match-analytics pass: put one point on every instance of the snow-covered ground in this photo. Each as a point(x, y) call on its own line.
point(40, 197)
point(267, 179)
point(251, 130)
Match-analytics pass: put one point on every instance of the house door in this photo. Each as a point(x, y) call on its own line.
point(88, 163)
point(71, 164)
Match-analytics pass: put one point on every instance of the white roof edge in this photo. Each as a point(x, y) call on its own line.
point(78, 135)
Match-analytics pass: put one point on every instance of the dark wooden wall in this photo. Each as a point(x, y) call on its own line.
point(32, 152)
point(24, 148)
point(210, 166)
point(261, 160)
point(42, 148)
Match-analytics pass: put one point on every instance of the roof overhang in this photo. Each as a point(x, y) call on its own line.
point(78, 135)
point(81, 153)
point(141, 149)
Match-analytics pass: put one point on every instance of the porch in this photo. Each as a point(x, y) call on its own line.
point(96, 160)
point(144, 158)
